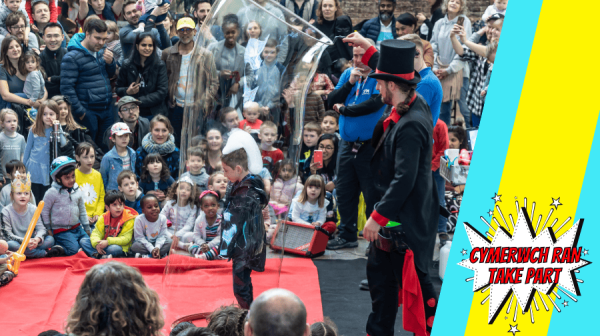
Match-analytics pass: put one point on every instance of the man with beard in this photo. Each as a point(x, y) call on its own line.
point(85, 79)
point(199, 11)
point(16, 25)
point(52, 56)
point(403, 224)
point(178, 59)
point(128, 33)
point(358, 102)
point(382, 27)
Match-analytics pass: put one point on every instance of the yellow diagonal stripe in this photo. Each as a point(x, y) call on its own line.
point(551, 138)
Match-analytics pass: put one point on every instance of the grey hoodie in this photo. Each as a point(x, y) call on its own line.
point(442, 45)
point(63, 210)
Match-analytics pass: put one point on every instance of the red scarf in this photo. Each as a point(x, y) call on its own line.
point(394, 116)
point(411, 298)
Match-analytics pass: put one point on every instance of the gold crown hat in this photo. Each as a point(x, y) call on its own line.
point(22, 183)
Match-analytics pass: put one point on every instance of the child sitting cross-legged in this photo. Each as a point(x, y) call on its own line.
point(64, 211)
point(114, 229)
point(16, 218)
point(311, 206)
point(128, 185)
point(181, 209)
point(155, 179)
point(207, 229)
point(13, 168)
point(150, 233)
point(89, 181)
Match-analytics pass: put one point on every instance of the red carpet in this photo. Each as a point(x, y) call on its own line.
point(41, 296)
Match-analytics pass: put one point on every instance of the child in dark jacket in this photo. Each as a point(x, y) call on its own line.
point(243, 231)
point(155, 179)
point(129, 186)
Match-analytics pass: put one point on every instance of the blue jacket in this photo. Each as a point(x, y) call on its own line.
point(372, 28)
point(358, 128)
point(85, 79)
point(431, 89)
point(112, 165)
point(148, 185)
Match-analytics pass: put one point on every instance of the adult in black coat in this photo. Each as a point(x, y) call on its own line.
point(52, 56)
point(408, 207)
point(144, 77)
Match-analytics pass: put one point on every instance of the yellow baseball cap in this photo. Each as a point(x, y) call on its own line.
point(186, 22)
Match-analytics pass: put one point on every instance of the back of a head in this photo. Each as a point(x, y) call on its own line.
point(325, 328)
point(178, 329)
point(227, 321)
point(277, 312)
point(197, 331)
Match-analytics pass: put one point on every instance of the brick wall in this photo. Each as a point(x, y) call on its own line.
point(360, 10)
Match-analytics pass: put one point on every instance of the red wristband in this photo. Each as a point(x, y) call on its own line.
point(379, 218)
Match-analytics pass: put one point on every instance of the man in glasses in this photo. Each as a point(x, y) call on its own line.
point(129, 113)
point(16, 25)
point(178, 59)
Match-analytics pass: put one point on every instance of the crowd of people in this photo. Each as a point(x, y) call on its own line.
point(120, 97)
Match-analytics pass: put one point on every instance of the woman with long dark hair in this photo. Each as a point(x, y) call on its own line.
point(328, 144)
point(426, 31)
point(332, 22)
point(144, 77)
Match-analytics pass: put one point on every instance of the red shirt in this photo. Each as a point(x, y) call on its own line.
point(271, 157)
point(112, 229)
point(255, 125)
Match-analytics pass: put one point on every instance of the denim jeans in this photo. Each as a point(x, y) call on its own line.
point(38, 252)
point(115, 250)
point(97, 122)
point(475, 120)
point(445, 110)
point(441, 190)
point(74, 239)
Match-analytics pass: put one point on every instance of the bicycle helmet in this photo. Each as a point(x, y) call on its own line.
point(59, 164)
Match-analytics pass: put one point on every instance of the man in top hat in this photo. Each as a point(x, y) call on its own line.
point(403, 224)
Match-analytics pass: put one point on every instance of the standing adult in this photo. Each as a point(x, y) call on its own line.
point(178, 59)
point(11, 79)
point(271, 27)
point(16, 26)
point(332, 22)
point(404, 221)
point(425, 24)
point(406, 24)
point(130, 32)
point(143, 76)
point(52, 56)
point(40, 11)
point(448, 67)
point(85, 79)
point(277, 312)
point(200, 12)
point(306, 9)
point(357, 100)
point(382, 27)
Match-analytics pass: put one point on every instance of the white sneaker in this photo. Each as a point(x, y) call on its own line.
point(140, 255)
point(107, 256)
point(200, 256)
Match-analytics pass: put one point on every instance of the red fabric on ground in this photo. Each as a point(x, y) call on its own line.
point(40, 297)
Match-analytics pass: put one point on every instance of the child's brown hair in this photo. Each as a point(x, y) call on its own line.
point(313, 181)
point(192, 201)
point(28, 55)
point(227, 320)
point(38, 128)
point(213, 176)
point(126, 174)
point(333, 114)
point(15, 165)
point(313, 127)
point(71, 123)
point(197, 152)
point(236, 158)
point(223, 113)
point(84, 148)
point(325, 328)
point(151, 158)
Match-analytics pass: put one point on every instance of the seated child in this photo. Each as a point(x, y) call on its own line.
point(311, 206)
point(16, 218)
point(156, 178)
point(243, 230)
point(150, 233)
point(330, 125)
point(120, 157)
point(271, 156)
point(89, 181)
point(3, 250)
point(218, 182)
point(285, 187)
point(30, 65)
point(310, 138)
point(181, 209)
point(251, 123)
point(13, 168)
point(64, 211)
point(207, 229)
point(113, 234)
point(128, 185)
point(197, 173)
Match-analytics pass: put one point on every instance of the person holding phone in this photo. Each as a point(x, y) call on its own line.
point(324, 161)
point(144, 77)
point(449, 68)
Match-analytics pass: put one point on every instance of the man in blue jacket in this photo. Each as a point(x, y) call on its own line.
point(85, 79)
point(382, 27)
point(360, 107)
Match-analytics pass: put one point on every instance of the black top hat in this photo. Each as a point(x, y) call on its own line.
point(397, 62)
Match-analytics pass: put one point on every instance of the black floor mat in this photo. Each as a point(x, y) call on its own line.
point(344, 303)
